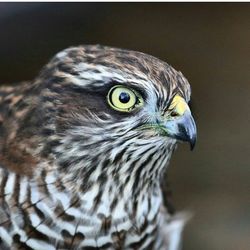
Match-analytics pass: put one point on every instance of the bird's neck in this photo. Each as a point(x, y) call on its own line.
point(124, 199)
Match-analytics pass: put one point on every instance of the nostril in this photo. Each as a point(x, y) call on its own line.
point(174, 114)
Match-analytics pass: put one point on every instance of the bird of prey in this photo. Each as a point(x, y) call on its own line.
point(84, 148)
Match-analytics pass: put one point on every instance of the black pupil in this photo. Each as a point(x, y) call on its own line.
point(124, 97)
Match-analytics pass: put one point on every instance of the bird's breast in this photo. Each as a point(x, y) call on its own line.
point(41, 213)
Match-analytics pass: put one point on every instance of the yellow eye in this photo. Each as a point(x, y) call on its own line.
point(124, 99)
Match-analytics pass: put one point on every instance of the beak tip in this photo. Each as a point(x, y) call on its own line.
point(192, 143)
point(192, 146)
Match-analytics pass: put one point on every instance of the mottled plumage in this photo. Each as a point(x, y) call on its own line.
point(79, 172)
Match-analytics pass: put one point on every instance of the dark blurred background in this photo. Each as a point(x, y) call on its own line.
point(210, 44)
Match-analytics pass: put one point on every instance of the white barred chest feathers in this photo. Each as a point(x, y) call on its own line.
point(83, 152)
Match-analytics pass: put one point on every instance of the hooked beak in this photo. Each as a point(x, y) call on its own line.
point(180, 123)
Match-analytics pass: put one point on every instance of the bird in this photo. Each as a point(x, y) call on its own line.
point(84, 148)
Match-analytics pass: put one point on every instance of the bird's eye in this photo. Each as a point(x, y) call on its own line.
point(124, 99)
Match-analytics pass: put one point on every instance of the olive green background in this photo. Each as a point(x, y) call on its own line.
point(210, 44)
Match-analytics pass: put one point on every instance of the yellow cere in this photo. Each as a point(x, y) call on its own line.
point(179, 105)
point(124, 99)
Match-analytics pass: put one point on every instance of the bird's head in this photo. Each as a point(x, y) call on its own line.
point(112, 113)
